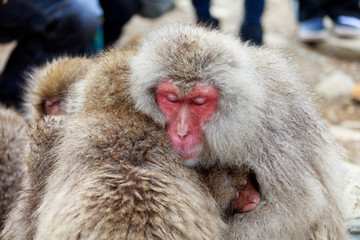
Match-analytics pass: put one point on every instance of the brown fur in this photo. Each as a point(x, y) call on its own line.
point(42, 138)
point(265, 121)
point(224, 183)
point(114, 175)
point(53, 79)
point(13, 169)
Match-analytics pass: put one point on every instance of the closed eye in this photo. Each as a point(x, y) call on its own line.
point(199, 100)
point(172, 97)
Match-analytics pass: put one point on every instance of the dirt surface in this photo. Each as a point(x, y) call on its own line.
point(332, 68)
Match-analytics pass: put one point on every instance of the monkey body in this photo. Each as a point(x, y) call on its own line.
point(42, 137)
point(264, 119)
point(113, 174)
point(46, 90)
point(118, 200)
point(13, 178)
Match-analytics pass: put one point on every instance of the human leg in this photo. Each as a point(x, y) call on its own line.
point(202, 10)
point(116, 14)
point(251, 29)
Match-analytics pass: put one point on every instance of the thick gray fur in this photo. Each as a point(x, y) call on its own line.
point(266, 120)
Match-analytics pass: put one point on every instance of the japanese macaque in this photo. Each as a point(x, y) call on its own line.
point(13, 169)
point(46, 92)
point(114, 174)
point(233, 188)
point(48, 86)
point(228, 104)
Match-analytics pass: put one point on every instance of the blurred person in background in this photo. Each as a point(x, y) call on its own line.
point(250, 30)
point(345, 15)
point(43, 29)
point(118, 12)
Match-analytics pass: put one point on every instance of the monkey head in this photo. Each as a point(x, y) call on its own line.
point(48, 86)
point(180, 78)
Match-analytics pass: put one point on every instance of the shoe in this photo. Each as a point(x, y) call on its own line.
point(312, 30)
point(347, 26)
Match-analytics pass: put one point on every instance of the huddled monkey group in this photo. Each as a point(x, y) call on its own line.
point(190, 135)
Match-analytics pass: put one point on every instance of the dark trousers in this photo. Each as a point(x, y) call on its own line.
point(250, 30)
point(253, 10)
point(44, 30)
point(202, 10)
point(116, 14)
point(333, 8)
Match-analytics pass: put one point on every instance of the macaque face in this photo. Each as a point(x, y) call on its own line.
point(52, 106)
point(235, 189)
point(186, 115)
point(246, 199)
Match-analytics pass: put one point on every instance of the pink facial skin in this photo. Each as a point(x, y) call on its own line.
point(52, 106)
point(247, 199)
point(186, 115)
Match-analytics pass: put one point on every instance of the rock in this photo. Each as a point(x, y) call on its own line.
point(355, 92)
point(352, 192)
point(336, 85)
point(351, 124)
point(353, 225)
point(344, 134)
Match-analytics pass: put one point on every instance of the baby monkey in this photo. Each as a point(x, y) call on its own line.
point(234, 188)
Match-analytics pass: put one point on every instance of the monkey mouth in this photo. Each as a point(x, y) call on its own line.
point(190, 154)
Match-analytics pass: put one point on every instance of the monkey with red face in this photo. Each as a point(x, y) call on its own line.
point(186, 116)
point(55, 80)
point(229, 105)
point(105, 171)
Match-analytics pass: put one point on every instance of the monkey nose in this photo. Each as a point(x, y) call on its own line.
point(182, 133)
point(183, 121)
point(182, 130)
